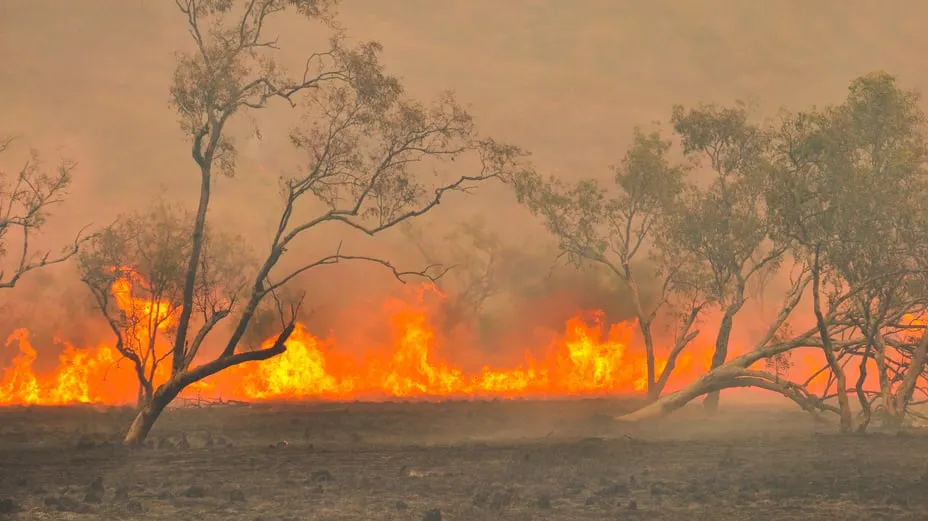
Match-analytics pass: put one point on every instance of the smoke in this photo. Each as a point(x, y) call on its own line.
point(558, 79)
point(502, 296)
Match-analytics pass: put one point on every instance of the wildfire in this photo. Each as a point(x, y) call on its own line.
point(81, 375)
point(582, 363)
point(591, 357)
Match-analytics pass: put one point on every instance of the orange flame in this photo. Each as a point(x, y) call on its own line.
point(79, 378)
point(590, 358)
point(582, 363)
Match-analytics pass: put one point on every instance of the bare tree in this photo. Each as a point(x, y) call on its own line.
point(135, 268)
point(612, 227)
point(26, 198)
point(362, 143)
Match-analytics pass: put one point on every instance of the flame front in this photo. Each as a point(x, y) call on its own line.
point(581, 363)
point(591, 357)
point(81, 375)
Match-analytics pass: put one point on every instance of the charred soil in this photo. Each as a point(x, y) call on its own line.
point(469, 461)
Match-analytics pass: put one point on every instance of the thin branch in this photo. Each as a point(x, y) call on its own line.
point(427, 273)
point(26, 265)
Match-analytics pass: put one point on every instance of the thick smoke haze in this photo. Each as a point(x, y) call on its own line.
point(89, 81)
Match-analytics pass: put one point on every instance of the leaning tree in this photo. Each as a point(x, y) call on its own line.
point(847, 199)
point(842, 193)
point(827, 200)
point(365, 144)
point(701, 245)
point(26, 197)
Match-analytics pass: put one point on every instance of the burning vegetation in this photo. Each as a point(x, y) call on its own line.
point(817, 210)
point(591, 358)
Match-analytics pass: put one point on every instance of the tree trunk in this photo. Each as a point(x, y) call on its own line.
point(710, 382)
point(190, 278)
point(865, 409)
point(896, 416)
point(140, 400)
point(730, 373)
point(644, 325)
point(844, 403)
point(145, 393)
point(149, 413)
point(143, 400)
point(711, 403)
point(727, 378)
point(164, 395)
point(653, 391)
point(886, 387)
point(893, 421)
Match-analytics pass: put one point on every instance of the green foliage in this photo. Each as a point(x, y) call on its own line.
point(834, 191)
point(849, 184)
point(723, 222)
point(612, 226)
point(593, 222)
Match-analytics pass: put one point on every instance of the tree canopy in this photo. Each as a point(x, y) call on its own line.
point(693, 223)
point(365, 145)
point(828, 198)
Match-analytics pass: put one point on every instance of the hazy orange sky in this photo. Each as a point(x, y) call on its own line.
point(89, 80)
point(566, 80)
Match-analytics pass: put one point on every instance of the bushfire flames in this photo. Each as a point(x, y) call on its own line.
point(589, 358)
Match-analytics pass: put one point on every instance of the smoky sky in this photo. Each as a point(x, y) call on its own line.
point(567, 81)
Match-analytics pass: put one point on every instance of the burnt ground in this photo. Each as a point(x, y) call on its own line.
point(471, 461)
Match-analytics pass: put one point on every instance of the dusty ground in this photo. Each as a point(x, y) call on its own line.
point(472, 461)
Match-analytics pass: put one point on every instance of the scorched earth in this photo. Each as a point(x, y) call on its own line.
point(514, 456)
point(519, 460)
point(588, 358)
